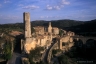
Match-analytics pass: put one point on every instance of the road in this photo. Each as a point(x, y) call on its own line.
point(16, 59)
point(46, 53)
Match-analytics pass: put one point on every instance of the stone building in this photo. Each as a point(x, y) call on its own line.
point(39, 29)
point(28, 42)
point(27, 25)
point(66, 42)
point(50, 28)
point(43, 37)
point(55, 30)
point(64, 31)
point(70, 33)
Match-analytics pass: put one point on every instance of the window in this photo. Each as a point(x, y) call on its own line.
point(63, 44)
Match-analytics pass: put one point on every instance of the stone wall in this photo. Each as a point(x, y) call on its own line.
point(28, 43)
point(70, 33)
point(50, 52)
point(68, 41)
point(39, 30)
point(27, 25)
point(55, 30)
point(50, 28)
point(29, 46)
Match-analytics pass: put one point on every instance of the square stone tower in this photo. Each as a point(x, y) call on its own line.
point(50, 28)
point(27, 25)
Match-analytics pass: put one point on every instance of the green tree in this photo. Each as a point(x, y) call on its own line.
point(7, 51)
point(32, 30)
point(61, 32)
point(41, 62)
point(55, 51)
point(64, 59)
point(35, 54)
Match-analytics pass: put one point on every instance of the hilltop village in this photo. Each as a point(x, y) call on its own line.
point(46, 45)
point(44, 35)
point(44, 40)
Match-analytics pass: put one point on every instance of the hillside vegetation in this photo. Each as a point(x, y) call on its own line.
point(78, 27)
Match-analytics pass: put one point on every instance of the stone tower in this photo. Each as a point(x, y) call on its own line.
point(50, 28)
point(29, 43)
point(27, 25)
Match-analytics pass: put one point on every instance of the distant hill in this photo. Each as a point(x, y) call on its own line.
point(58, 23)
point(87, 28)
point(72, 25)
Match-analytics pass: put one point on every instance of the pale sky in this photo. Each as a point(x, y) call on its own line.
point(11, 11)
